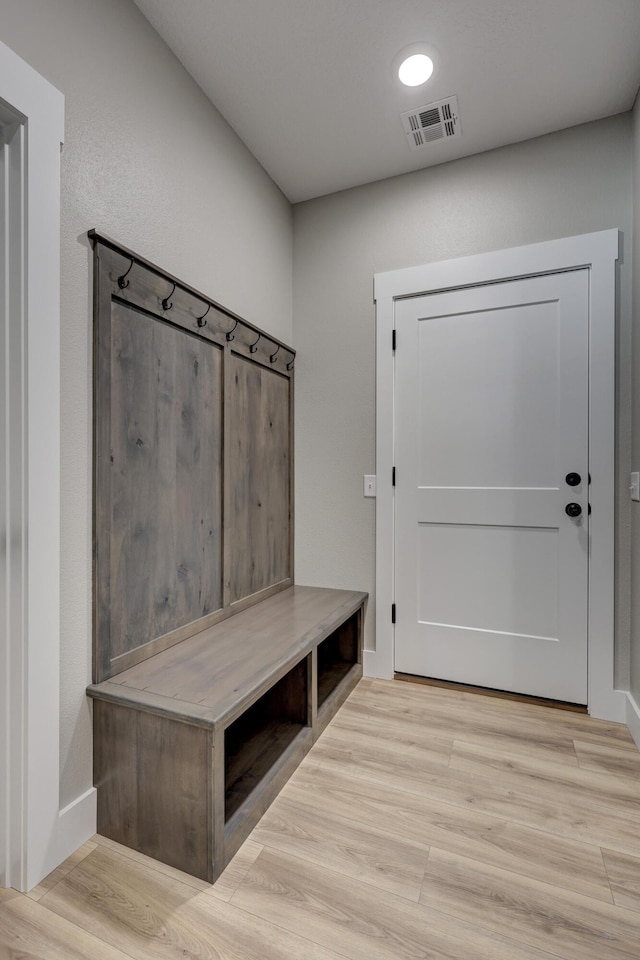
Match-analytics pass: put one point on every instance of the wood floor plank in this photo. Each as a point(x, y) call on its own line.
point(471, 709)
point(376, 760)
point(541, 740)
point(449, 693)
point(488, 692)
point(56, 875)
point(389, 729)
point(28, 931)
point(414, 754)
point(553, 780)
point(504, 797)
point(530, 852)
point(535, 913)
point(620, 760)
point(345, 845)
point(200, 886)
point(149, 915)
point(574, 725)
point(624, 876)
point(353, 919)
point(231, 877)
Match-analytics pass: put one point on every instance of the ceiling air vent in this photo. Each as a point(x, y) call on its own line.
point(434, 121)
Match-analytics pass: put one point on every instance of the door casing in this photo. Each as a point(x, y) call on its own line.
point(598, 252)
point(30, 502)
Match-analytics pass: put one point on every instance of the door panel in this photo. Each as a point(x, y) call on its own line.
point(491, 414)
point(515, 593)
point(473, 366)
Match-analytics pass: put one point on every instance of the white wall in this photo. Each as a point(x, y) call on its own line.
point(635, 509)
point(148, 161)
point(572, 182)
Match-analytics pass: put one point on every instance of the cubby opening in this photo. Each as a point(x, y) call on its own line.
point(336, 656)
point(256, 740)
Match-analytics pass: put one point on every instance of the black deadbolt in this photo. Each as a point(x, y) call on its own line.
point(573, 509)
point(573, 479)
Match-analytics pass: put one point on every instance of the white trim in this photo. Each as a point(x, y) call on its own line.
point(36, 768)
point(598, 252)
point(632, 718)
point(76, 823)
point(379, 663)
point(12, 481)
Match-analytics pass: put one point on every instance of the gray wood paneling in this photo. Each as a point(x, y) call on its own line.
point(260, 478)
point(166, 479)
point(184, 410)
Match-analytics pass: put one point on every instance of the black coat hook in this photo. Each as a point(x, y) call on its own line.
point(122, 281)
point(201, 320)
point(253, 347)
point(291, 362)
point(273, 356)
point(229, 334)
point(166, 303)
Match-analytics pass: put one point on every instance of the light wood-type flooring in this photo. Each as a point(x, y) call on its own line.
point(425, 823)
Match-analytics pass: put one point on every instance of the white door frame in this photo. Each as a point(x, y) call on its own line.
point(598, 252)
point(30, 507)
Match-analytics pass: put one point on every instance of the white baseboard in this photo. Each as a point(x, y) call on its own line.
point(608, 704)
point(633, 719)
point(76, 823)
point(374, 665)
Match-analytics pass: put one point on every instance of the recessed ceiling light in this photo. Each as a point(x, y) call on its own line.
point(415, 70)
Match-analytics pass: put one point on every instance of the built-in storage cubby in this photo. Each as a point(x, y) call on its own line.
point(193, 744)
point(336, 656)
point(258, 739)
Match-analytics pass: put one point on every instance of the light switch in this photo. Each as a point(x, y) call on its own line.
point(369, 486)
point(634, 486)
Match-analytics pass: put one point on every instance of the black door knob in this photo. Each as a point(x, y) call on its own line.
point(573, 509)
point(573, 479)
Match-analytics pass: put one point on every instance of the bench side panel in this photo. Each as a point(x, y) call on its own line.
point(154, 779)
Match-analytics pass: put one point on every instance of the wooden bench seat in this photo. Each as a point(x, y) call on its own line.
point(191, 745)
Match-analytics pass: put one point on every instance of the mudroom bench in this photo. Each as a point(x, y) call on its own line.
point(193, 744)
point(213, 672)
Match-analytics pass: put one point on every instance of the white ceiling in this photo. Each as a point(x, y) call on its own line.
point(309, 85)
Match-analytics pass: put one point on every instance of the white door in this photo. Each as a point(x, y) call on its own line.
point(491, 449)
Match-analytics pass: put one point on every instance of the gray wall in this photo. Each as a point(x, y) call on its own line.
point(635, 559)
point(572, 182)
point(150, 162)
